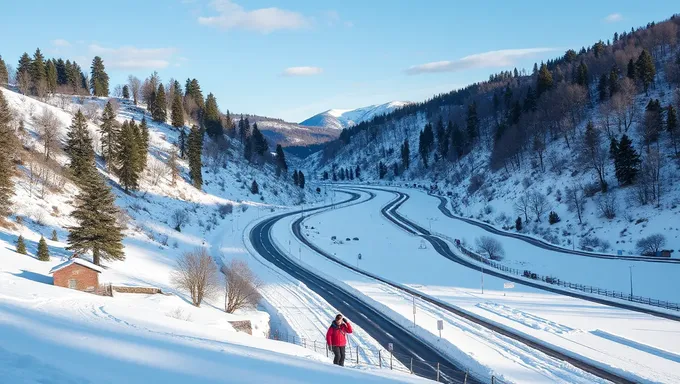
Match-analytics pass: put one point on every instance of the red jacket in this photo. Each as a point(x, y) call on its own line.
point(335, 337)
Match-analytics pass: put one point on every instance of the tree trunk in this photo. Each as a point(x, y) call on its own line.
point(95, 256)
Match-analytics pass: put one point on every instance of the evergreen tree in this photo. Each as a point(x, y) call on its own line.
point(457, 138)
point(195, 150)
point(99, 79)
point(672, 127)
point(442, 139)
point(518, 224)
point(626, 162)
point(62, 76)
point(544, 81)
point(109, 135)
point(582, 75)
point(357, 171)
point(254, 188)
point(21, 246)
point(529, 101)
point(260, 145)
point(38, 74)
point(653, 122)
point(335, 176)
point(281, 165)
point(603, 87)
point(425, 143)
point(243, 128)
point(8, 143)
point(143, 130)
point(159, 112)
point(248, 149)
point(43, 250)
point(126, 92)
point(296, 178)
point(301, 179)
point(472, 123)
point(644, 67)
point(24, 74)
point(97, 230)
point(79, 147)
point(553, 218)
point(177, 112)
point(4, 74)
point(51, 76)
point(382, 170)
point(211, 117)
point(128, 158)
point(405, 154)
point(54, 236)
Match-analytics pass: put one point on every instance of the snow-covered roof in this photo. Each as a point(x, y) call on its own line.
point(76, 260)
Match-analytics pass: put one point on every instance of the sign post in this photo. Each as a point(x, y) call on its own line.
point(440, 326)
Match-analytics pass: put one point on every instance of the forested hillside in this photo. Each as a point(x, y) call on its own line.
point(591, 135)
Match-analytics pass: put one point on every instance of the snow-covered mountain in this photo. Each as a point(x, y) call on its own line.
point(345, 118)
point(288, 134)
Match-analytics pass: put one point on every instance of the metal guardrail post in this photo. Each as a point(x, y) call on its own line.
point(437, 372)
point(391, 360)
point(466, 376)
point(411, 365)
point(379, 359)
point(357, 355)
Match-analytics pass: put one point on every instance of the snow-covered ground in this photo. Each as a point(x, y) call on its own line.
point(642, 347)
point(52, 334)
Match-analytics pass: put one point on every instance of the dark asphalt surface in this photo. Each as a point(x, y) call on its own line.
point(380, 327)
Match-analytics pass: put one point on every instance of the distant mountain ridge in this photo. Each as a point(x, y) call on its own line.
point(340, 119)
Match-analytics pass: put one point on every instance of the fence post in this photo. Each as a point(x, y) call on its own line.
point(437, 372)
point(357, 355)
point(390, 360)
point(466, 375)
point(379, 359)
point(411, 365)
point(327, 348)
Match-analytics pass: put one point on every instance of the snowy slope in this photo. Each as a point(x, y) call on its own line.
point(344, 118)
point(291, 134)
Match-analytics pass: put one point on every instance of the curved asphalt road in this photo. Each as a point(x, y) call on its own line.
point(380, 327)
point(442, 247)
point(543, 244)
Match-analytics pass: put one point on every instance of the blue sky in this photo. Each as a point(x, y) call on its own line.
point(293, 59)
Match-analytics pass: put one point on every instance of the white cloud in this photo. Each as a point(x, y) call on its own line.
point(501, 58)
point(129, 57)
point(613, 18)
point(302, 71)
point(231, 15)
point(61, 43)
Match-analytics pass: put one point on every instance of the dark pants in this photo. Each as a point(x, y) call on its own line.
point(339, 356)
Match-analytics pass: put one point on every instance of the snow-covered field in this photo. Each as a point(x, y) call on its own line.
point(52, 334)
point(642, 347)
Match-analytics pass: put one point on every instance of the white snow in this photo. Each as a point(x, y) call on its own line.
point(345, 118)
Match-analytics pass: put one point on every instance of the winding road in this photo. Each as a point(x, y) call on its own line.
point(382, 328)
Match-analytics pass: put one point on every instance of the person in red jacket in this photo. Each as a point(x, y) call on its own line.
point(336, 339)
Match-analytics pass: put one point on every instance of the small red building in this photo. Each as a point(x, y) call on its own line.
point(77, 274)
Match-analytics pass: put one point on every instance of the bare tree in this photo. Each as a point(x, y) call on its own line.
point(576, 201)
point(48, 130)
point(650, 245)
point(157, 171)
point(91, 111)
point(523, 206)
point(607, 205)
point(196, 273)
point(624, 105)
point(135, 87)
point(173, 166)
point(593, 153)
point(118, 91)
point(241, 288)
point(539, 204)
point(491, 247)
point(179, 219)
point(24, 82)
point(650, 178)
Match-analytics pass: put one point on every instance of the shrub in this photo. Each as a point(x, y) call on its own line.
point(650, 245)
point(518, 224)
point(553, 218)
point(179, 219)
point(491, 247)
point(225, 209)
point(476, 182)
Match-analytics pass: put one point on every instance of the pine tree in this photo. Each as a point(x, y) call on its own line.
point(644, 67)
point(54, 236)
point(43, 250)
point(4, 75)
point(177, 112)
point(128, 157)
point(405, 154)
point(672, 127)
point(211, 117)
point(243, 129)
point(9, 143)
point(126, 92)
point(21, 246)
point(553, 218)
point(143, 131)
point(442, 139)
point(582, 75)
point(248, 149)
point(472, 123)
point(425, 143)
point(301, 179)
point(357, 171)
point(254, 188)
point(281, 165)
point(159, 112)
point(626, 162)
point(529, 101)
point(51, 76)
point(295, 178)
point(613, 80)
point(544, 81)
point(79, 147)
point(99, 79)
point(109, 131)
point(97, 229)
point(382, 170)
point(62, 77)
point(24, 74)
point(518, 224)
point(195, 150)
point(38, 74)
point(603, 87)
